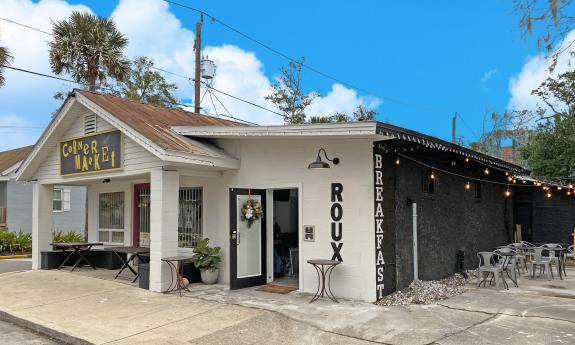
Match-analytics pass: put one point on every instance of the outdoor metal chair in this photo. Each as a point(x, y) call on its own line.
point(488, 267)
point(508, 264)
point(520, 257)
point(553, 258)
point(570, 253)
point(542, 262)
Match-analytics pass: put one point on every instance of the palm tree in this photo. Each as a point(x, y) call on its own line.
point(89, 48)
point(5, 58)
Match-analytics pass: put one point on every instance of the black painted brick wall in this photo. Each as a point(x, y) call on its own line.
point(449, 220)
point(553, 218)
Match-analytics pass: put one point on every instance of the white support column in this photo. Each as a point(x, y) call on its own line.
point(42, 195)
point(164, 188)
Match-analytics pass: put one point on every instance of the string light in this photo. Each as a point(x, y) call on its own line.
point(571, 185)
point(468, 185)
point(509, 178)
point(568, 192)
point(432, 176)
point(514, 180)
point(397, 161)
point(508, 192)
point(559, 188)
point(466, 159)
point(486, 171)
point(548, 194)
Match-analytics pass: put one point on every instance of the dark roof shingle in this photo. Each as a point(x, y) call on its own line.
point(11, 157)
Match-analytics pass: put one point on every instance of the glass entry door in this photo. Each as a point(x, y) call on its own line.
point(247, 241)
point(141, 237)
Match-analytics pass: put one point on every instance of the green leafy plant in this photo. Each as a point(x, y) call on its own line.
point(206, 257)
point(15, 241)
point(71, 236)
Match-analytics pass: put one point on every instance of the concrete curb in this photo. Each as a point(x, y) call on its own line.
point(18, 256)
point(43, 330)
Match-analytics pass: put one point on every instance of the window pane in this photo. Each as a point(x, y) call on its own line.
point(111, 211)
point(57, 205)
point(189, 217)
point(57, 194)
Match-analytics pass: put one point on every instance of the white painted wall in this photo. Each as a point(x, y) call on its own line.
point(277, 163)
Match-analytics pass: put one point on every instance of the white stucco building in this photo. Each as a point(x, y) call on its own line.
point(165, 178)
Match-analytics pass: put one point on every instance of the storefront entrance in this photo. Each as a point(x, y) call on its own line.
point(286, 237)
point(247, 241)
point(141, 234)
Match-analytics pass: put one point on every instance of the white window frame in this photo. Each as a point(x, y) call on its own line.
point(111, 231)
point(61, 200)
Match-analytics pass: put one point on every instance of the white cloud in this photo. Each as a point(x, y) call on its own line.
point(16, 137)
point(153, 31)
point(340, 99)
point(534, 72)
point(488, 75)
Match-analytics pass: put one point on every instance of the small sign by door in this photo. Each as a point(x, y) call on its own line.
point(309, 233)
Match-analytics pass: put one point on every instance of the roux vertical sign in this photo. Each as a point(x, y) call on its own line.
point(336, 213)
point(378, 216)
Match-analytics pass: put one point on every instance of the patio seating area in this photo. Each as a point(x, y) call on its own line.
point(523, 260)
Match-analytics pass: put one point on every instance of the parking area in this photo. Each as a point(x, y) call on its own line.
point(11, 265)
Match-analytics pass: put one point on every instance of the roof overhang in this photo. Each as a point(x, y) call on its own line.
point(60, 123)
point(367, 129)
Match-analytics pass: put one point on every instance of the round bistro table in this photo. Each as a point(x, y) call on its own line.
point(175, 263)
point(323, 269)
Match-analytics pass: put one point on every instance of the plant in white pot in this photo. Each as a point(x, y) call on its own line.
point(207, 260)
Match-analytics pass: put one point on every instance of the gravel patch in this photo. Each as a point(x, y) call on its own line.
point(427, 292)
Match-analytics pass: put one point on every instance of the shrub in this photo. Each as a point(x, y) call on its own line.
point(59, 236)
point(12, 241)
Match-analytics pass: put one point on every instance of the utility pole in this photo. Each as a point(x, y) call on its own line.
point(454, 129)
point(197, 77)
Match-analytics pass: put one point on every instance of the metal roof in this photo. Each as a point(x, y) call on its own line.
point(442, 145)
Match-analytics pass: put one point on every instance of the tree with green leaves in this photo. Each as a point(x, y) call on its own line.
point(5, 59)
point(89, 48)
point(550, 152)
point(559, 96)
point(361, 113)
point(287, 94)
point(146, 85)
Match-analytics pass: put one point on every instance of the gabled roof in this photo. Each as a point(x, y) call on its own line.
point(155, 122)
point(10, 158)
point(147, 125)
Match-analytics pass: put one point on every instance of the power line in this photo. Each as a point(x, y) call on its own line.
point(156, 68)
point(289, 58)
point(21, 127)
point(243, 100)
point(108, 89)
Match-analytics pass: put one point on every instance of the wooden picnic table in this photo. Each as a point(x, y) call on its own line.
point(131, 254)
point(80, 248)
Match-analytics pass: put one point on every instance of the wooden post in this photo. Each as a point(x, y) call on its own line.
point(197, 76)
point(454, 129)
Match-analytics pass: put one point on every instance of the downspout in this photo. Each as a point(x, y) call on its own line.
point(415, 262)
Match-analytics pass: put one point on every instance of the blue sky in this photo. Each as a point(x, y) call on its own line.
point(422, 61)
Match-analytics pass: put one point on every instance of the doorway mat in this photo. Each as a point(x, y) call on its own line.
point(276, 289)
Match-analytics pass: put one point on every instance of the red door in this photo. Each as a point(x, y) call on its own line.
point(141, 232)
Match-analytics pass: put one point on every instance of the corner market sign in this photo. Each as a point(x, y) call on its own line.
point(91, 153)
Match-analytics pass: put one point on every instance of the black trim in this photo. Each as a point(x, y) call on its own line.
point(235, 282)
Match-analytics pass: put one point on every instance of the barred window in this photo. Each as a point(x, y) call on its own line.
point(111, 211)
point(190, 217)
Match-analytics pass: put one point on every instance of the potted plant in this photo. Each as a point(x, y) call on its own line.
point(207, 260)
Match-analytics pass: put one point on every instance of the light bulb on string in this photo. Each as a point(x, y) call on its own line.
point(508, 192)
point(559, 188)
point(509, 178)
point(486, 171)
point(568, 192)
point(548, 194)
point(397, 161)
point(432, 176)
point(468, 185)
point(466, 159)
point(571, 185)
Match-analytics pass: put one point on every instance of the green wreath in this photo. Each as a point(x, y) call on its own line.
point(251, 212)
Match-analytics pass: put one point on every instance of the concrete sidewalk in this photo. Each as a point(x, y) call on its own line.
point(106, 312)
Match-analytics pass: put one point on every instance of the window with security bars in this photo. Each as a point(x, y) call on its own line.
point(190, 217)
point(111, 210)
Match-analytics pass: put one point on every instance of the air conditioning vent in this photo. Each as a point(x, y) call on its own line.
point(90, 125)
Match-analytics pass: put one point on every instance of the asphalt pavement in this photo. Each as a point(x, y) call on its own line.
point(11, 334)
point(11, 265)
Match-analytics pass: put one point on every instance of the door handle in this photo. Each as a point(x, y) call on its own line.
point(239, 237)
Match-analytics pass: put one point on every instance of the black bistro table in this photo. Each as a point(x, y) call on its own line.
point(323, 269)
point(131, 254)
point(80, 248)
point(175, 263)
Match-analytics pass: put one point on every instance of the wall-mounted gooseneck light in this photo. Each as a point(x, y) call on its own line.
point(319, 164)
